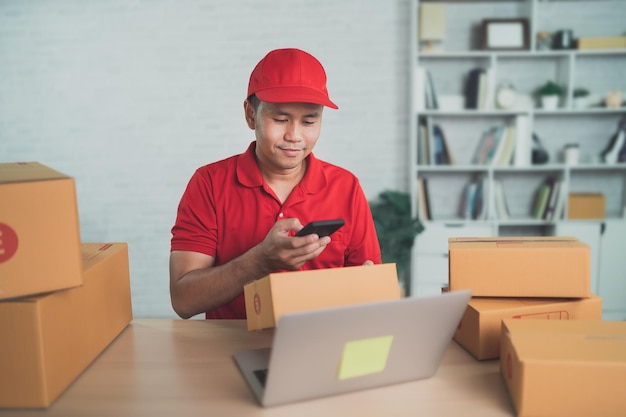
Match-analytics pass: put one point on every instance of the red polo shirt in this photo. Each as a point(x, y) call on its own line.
point(228, 208)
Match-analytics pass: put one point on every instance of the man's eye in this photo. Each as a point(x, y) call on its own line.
point(308, 122)
point(280, 120)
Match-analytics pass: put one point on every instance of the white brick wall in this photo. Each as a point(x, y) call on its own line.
point(130, 96)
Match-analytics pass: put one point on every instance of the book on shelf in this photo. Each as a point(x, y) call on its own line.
point(423, 151)
point(442, 155)
point(502, 209)
point(559, 209)
point(472, 88)
point(523, 143)
point(547, 200)
point(488, 145)
point(473, 201)
point(425, 92)
point(485, 90)
point(505, 158)
point(615, 151)
point(549, 212)
point(423, 202)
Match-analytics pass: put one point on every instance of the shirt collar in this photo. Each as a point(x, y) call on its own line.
point(249, 174)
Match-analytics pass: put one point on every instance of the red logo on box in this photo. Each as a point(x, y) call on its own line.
point(8, 242)
point(257, 303)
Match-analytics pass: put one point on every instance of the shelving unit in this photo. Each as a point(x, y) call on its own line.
point(591, 128)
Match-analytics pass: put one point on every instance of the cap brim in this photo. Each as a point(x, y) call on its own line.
point(295, 95)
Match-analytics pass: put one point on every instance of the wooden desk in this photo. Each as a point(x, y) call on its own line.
point(184, 368)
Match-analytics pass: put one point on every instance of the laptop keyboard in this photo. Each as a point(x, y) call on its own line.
point(261, 375)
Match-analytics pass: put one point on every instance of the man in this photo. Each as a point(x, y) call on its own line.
point(237, 218)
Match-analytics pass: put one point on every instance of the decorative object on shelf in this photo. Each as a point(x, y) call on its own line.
point(614, 42)
point(581, 98)
point(544, 41)
point(539, 154)
point(432, 27)
point(505, 34)
point(571, 153)
point(615, 150)
point(395, 227)
point(549, 94)
point(613, 99)
point(563, 39)
point(506, 97)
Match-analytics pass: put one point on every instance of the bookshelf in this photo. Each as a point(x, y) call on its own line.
point(439, 100)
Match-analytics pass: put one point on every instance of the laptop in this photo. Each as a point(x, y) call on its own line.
point(336, 350)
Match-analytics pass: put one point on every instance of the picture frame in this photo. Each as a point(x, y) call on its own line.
point(505, 34)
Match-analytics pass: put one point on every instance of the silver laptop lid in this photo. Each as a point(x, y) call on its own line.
point(336, 350)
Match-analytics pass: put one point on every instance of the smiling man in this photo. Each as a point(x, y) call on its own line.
point(237, 217)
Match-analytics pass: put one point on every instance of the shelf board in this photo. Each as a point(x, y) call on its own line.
point(553, 53)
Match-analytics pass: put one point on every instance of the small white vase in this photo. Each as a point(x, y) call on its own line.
point(581, 102)
point(549, 102)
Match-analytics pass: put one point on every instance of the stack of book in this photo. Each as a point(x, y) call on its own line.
point(496, 146)
point(550, 200)
point(433, 148)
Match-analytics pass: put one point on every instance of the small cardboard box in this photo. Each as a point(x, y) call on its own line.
point(555, 267)
point(586, 206)
point(39, 230)
point(480, 326)
point(565, 368)
point(270, 297)
point(610, 42)
point(48, 340)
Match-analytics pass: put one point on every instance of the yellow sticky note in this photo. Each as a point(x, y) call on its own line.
point(364, 357)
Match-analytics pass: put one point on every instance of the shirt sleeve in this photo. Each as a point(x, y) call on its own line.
point(195, 228)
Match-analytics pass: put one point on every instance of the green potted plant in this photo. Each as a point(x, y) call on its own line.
point(396, 229)
point(581, 98)
point(549, 94)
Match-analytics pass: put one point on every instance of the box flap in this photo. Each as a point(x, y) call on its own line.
point(27, 171)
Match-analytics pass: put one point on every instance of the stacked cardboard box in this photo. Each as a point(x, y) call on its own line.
point(270, 297)
point(565, 368)
point(564, 362)
point(519, 277)
point(61, 301)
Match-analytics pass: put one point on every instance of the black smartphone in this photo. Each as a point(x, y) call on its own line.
point(321, 227)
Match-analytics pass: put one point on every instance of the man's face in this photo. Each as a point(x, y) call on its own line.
point(285, 133)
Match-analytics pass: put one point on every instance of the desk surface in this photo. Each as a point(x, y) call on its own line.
point(185, 368)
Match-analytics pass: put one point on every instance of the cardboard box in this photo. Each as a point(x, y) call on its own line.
point(39, 231)
point(480, 326)
point(565, 368)
point(554, 267)
point(48, 340)
point(586, 206)
point(611, 42)
point(276, 294)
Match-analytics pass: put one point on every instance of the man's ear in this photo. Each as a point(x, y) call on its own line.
point(249, 113)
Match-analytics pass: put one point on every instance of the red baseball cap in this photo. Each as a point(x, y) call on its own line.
point(290, 76)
